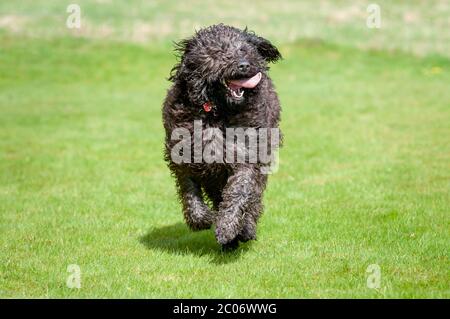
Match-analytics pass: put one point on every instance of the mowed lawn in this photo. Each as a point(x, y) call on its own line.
point(364, 177)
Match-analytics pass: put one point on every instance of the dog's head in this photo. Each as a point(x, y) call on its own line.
point(222, 64)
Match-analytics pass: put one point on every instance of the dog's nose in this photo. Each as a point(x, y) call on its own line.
point(243, 66)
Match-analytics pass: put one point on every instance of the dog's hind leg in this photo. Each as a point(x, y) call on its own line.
point(196, 213)
point(241, 191)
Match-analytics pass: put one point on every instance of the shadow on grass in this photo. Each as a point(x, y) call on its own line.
point(178, 239)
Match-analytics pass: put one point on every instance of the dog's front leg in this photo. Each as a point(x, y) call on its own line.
point(240, 191)
point(197, 214)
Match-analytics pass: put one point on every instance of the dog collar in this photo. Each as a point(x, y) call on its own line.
point(207, 106)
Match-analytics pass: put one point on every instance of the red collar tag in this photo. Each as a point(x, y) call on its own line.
point(207, 106)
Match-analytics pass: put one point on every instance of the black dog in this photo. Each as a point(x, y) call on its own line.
point(222, 81)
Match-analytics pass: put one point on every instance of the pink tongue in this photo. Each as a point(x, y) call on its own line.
point(249, 83)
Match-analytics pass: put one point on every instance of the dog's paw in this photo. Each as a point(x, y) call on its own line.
point(245, 237)
point(200, 219)
point(199, 225)
point(247, 233)
point(231, 246)
point(225, 232)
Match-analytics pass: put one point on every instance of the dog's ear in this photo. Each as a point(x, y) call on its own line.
point(182, 48)
point(267, 50)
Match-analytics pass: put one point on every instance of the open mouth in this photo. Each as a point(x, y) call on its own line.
point(236, 87)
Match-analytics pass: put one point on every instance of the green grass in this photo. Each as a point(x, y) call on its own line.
point(364, 176)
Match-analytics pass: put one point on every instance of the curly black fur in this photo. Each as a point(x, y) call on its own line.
point(227, 194)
